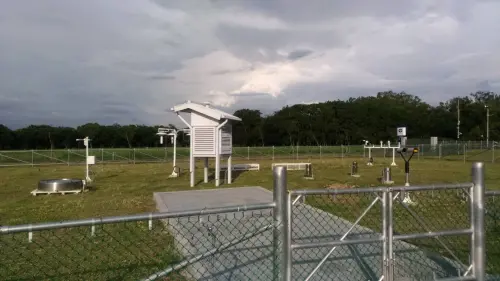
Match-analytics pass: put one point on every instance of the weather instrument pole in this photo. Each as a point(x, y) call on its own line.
point(89, 160)
point(162, 132)
point(406, 197)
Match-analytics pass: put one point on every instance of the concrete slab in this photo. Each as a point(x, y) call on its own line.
point(211, 198)
point(253, 259)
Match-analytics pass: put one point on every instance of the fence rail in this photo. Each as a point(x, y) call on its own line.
point(442, 233)
point(460, 152)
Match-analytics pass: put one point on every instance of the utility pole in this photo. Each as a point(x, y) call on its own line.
point(458, 119)
point(487, 125)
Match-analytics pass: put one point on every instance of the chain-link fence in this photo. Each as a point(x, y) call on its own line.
point(383, 233)
point(211, 244)
point(492, 228)
point(468, 151)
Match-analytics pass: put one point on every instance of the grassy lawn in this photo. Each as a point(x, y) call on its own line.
point(121, 189)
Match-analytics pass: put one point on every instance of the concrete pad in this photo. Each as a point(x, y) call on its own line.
point(252, 259)
point(211, 198)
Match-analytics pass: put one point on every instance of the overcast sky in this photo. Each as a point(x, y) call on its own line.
point(68, 62)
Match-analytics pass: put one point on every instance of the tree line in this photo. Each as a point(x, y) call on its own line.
point(336, 122)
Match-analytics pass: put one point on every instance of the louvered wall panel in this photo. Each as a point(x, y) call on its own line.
point(226, 144)
point(204, 140)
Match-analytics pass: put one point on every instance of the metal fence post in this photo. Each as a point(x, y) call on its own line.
point(493, 153)
point(385, 262)
point(387, 233)
point(281, 235)
point(478, 250)
point(465, 152)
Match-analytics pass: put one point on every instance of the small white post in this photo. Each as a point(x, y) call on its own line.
point(381, 144)
point(393, 157)
point(369, 157)
point(229, 169)
point(205, 170)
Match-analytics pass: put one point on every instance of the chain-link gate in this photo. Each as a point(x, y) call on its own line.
point(378, 234)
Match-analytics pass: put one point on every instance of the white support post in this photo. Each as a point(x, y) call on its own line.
point(191, 147)
point(229, 169)
point(217, 169)
point(191, 169)
point(205, 170)
point(174, 157)
point(191, 160)
point(86, 143)
point(175, 149)
point(393, 157)
point(88, 160)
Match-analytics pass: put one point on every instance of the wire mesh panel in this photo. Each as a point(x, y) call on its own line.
point(326, 218)
point(439, 211)
point(231, 245)
point(123, 251)
point(492, 225)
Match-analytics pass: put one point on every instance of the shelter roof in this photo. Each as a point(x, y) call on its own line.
point(204, 109)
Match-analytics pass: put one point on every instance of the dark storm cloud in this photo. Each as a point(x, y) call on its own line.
point(70, 62)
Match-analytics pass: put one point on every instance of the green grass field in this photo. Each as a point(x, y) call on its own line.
point(121, 189)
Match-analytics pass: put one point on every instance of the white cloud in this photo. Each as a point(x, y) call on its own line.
point(143, 57)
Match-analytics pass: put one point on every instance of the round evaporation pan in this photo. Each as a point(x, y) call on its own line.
point(60, 184)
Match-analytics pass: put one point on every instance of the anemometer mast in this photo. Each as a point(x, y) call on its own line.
point(173, 137)
point(89, 160)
